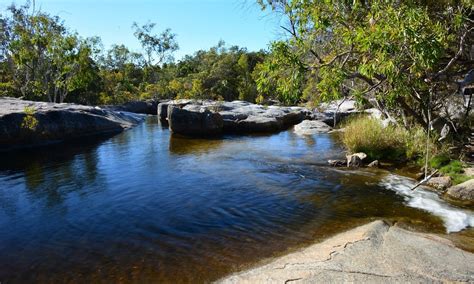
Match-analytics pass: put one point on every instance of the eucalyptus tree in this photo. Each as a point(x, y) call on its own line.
point(42, 55)
point(159, 48)
point(404, 56)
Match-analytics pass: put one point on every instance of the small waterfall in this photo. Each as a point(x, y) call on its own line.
point(455, 219)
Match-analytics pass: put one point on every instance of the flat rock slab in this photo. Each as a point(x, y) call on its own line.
point(311, 127)
point(56, 122)
point(373, 253)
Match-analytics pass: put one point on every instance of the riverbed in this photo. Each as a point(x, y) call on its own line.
point(145, 205)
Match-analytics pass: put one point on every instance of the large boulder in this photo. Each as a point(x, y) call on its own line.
point(463, 191)
point(240, 116)
point(56, 122)
point(311, 127)
point(194, 123)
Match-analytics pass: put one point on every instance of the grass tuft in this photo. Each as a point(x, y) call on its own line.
point(368, 135)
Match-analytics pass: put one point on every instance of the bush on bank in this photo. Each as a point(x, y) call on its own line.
point(368, 135)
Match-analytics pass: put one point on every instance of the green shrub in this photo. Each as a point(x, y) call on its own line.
point(29, 120)
point(448, 167)
point(368, 135)
point(459, 178)
point(438, 161)
point(454, 167)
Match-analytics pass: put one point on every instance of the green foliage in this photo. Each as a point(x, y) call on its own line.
point(459, 178)
point(219, 73)
point(368, 135)
point(42, 59)
point(158, 48)
point(453, 167)
point(29, 121)
point(438, 161)
point(390, 53)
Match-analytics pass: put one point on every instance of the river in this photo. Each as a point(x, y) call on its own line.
point(144, 206)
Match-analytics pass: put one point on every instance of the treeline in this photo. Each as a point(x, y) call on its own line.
point(406, 58)
point(41, 59)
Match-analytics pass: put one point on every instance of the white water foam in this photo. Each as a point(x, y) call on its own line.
point(455, 219)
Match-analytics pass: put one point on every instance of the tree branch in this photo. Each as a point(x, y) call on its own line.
point(456, 57)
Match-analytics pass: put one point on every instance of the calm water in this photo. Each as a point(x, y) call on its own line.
point(145, 206)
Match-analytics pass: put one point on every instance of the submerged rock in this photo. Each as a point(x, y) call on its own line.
point(463, 191)
point(56, 122)
point(372, 253)
point(311, 127)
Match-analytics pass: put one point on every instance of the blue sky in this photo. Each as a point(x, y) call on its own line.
point(199, 24)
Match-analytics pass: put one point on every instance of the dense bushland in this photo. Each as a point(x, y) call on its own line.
point(41, 59)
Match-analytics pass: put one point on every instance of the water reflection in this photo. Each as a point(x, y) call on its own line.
point(180, 145)
point(52, 172)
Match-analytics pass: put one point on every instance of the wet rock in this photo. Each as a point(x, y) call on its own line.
point(356, 160)
point(162, 111)
point(195, 123)
point(311, 127)
point(420, 176)
point(440, 183)
point(337, 163)
point(57, 122)
point(374, 164)
point(463, 191)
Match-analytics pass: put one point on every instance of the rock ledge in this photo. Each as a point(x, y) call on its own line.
point(57, 122)
point(372, 253)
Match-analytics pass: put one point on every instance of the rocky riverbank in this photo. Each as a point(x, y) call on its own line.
point(203, 118)
point(373, 253)
point(49, 122)
point(27, 123)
